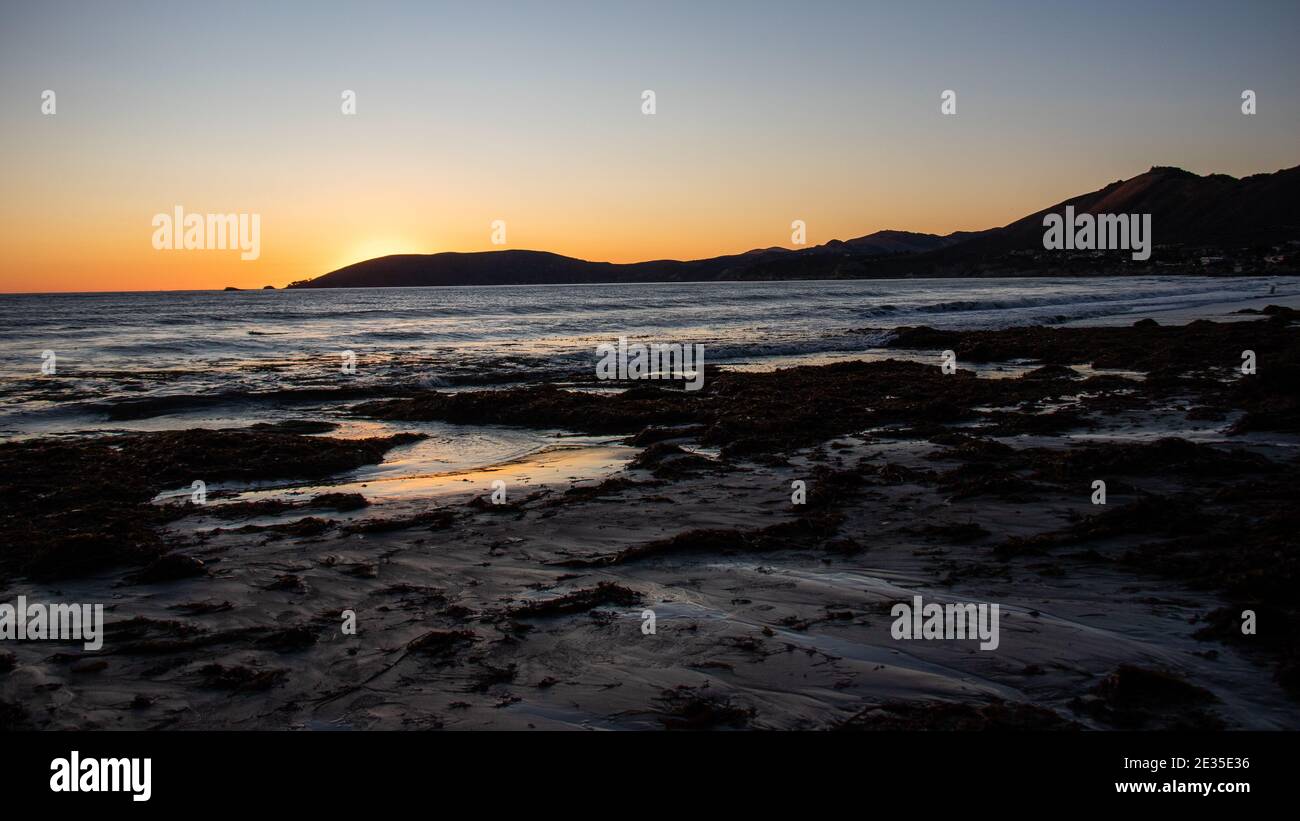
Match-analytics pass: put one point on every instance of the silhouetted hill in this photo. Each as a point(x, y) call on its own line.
point(904, 242)
point(1186, 209)
point(1189, 213)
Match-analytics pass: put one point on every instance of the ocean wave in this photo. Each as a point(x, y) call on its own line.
point(286, 349)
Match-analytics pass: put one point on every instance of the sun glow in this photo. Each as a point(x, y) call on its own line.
point(381, 247)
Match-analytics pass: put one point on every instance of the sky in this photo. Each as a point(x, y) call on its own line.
point(531, 113)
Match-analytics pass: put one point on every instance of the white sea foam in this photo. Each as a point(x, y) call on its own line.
point(234, 355)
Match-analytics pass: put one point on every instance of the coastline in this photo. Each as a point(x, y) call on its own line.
point(770, 615)
point(1234, 311)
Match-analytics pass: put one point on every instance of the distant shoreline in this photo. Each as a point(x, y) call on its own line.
point(943, 277)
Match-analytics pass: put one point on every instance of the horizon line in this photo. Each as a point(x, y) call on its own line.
point(287, 285)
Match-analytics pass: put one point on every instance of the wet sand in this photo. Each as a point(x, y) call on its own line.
point(1235, 311)
point(767, 614)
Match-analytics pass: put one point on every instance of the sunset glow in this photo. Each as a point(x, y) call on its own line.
point(450, 134)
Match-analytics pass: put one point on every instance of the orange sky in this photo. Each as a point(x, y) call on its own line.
point(95, 233)
point(467, 114)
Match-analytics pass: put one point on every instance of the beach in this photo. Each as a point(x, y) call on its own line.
point(520, 545)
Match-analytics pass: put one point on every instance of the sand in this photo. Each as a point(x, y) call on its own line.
point(533, 614)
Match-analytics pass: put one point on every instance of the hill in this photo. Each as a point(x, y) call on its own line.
point(1193, 217)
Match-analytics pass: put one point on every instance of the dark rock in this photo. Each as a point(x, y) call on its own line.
point(170, 567)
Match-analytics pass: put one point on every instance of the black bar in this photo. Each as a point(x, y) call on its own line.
point(385, 770)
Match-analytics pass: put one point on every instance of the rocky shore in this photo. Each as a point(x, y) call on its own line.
point(532, 610)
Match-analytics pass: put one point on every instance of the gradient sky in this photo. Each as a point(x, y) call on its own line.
point(469, 112)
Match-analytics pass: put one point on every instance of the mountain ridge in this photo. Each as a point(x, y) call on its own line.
point(1189, 212)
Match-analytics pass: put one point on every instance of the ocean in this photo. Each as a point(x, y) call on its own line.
point(141, 361)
